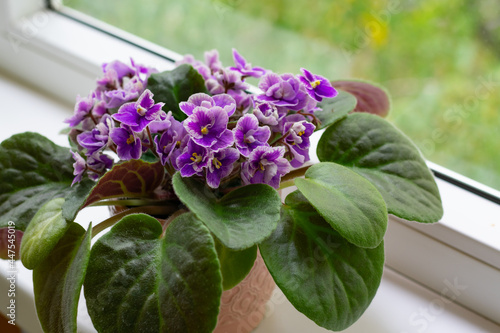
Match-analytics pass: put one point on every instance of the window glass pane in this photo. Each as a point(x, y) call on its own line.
point(440, 60)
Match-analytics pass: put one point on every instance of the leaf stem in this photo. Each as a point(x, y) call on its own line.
point(128, 202)
point(285, 184)
point(151, 143)
point(295, 173)
point(152, 210)
point(277, 138)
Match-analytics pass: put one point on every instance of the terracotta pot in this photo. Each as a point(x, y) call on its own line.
point(243, 307)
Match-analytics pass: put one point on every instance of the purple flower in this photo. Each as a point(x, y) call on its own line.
point(204, 71)
point(162, 123)
point(128, 145)
point(96, 139)
point(311, 105)
point(266, 113)
point(119, 84)
point(178, 150)
point(139, 114)
point(225, 80)
point(117, 97)
point(190, 60)
point(220, 165)
point(248, 135)
point(118, 70)
point(298, 132)
point(283, 91)
point(171, 139)
point(142, 72)
point(317, 86)
point(224, 101)
point(208, 127)
point(122, 83)
point(265, 165)
point(83, 107)
point(243, 100)
point(193, 160)
point(212, 60)
point(245, 68)
point(98, 163)
point(79, 167)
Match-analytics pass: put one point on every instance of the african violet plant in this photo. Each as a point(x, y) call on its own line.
point(196, 161)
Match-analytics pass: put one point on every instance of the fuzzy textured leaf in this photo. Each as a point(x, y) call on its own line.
point(240, 219)
point(138, 281)
point(370, 97)
point(76, 198)
point(234, 265)
point(33, 170)
point(347, 201)
point(43, 233)
point(175, 86)
point(130, 179)
point(334, 109)
point(325, 277)
point(375, 149)
point(58, 280)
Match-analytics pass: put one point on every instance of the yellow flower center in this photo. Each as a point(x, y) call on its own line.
point(177, 144)
point(141, 110)
point(216, 163)
point(130, 139)
point(261, 167)
point(316, 83)
point(300, 133)
point(195, 158)
point(204, 130)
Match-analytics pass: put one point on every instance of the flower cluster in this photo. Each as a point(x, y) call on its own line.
point(92, 123)
point(228, 134)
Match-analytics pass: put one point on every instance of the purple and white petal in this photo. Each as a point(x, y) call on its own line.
point(226, 102)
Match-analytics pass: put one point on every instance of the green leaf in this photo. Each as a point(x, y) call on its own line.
point(33, 170)
point(130, 179)
point(175, 86)
point(139, 282)
point(76, 198)
point(378, 151)
point(234, 265)
point(148, 156)
point(57, 281)
point(43, 233)
point(347, 201)
point(325, 277)
point(240, 219)
point(334, 109)
point(370, 97)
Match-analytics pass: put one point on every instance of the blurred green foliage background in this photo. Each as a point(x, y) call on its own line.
point(440, 60)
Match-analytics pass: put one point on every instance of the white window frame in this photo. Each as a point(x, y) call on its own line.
point(62, 56)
